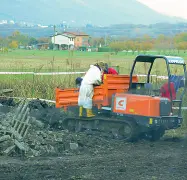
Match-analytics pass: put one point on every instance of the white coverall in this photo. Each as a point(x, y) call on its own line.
point(86, 91)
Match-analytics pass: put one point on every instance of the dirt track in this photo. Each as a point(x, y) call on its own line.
point(105, 160)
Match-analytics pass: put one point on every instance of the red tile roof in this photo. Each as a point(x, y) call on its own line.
point(77, 33)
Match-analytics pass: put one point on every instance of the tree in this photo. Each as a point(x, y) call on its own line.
point(95, 42)
point(20, 38)
point(146, 46)
point(180, 41)
point(146, 38)
point(4, 42)
point(13, 45)
point(108, 40)
point(181, 37)
point(130, 45)
point(43, 40)
point(171, 44)
point(162, 43)
point(32, 41)
point(101, 41)
point(50, 45)
point(126, 46)
point(117, 46)
point(138, 46)
point(15, 33)
point(161, 38)
point(181, 46)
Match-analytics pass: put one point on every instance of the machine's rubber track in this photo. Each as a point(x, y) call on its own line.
point(126, 130)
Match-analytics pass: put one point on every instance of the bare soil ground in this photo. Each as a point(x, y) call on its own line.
point(98, 158)
point(101, 159)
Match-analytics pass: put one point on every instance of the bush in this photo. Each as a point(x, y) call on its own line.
point(105, 49)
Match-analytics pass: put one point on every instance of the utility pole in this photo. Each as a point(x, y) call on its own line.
point(54, 36)
point(105, 39)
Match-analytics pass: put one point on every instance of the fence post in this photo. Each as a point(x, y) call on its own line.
point(33, 82)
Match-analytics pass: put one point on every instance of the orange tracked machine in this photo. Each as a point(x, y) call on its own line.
point(127, 108)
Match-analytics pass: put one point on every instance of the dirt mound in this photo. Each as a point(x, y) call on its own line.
point(38, 104)
point(48, 114)
point(41, 110)
point(7, 101)
point(45, 135)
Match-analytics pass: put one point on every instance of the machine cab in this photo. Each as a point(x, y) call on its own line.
point(164, 76)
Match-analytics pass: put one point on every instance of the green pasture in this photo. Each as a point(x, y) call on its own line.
point(60, 61)
point(36, 60)
point(33, 86)
point(43, 86)
point(48, 60)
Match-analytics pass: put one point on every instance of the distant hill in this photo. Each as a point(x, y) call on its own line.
point(120, 30)
point(81, 12)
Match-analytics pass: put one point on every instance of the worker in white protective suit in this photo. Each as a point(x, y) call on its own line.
point(86, 91)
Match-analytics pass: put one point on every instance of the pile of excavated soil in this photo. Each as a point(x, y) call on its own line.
point(59, 154)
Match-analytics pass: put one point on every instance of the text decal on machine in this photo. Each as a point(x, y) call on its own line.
point(121, 103)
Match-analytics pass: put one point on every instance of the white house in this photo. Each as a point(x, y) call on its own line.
point(61, 41)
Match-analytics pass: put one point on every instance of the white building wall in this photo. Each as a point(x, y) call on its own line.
point(60, 39)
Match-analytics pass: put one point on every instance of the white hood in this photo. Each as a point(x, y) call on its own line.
point(92, 76)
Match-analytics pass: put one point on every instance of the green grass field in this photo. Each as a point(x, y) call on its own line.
point(56, 60)
point(47, 61)
point(51, 61)
point(59, 61)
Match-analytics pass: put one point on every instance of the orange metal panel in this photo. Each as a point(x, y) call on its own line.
point(137, 105)
point(66, 97)
point(102, 94)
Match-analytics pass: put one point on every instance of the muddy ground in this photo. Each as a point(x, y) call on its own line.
point(104, 160)
point(96, 158)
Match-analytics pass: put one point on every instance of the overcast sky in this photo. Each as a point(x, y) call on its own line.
point(168, 7)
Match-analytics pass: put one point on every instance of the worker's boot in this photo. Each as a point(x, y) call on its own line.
point(80, 111)
point(89, 113)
